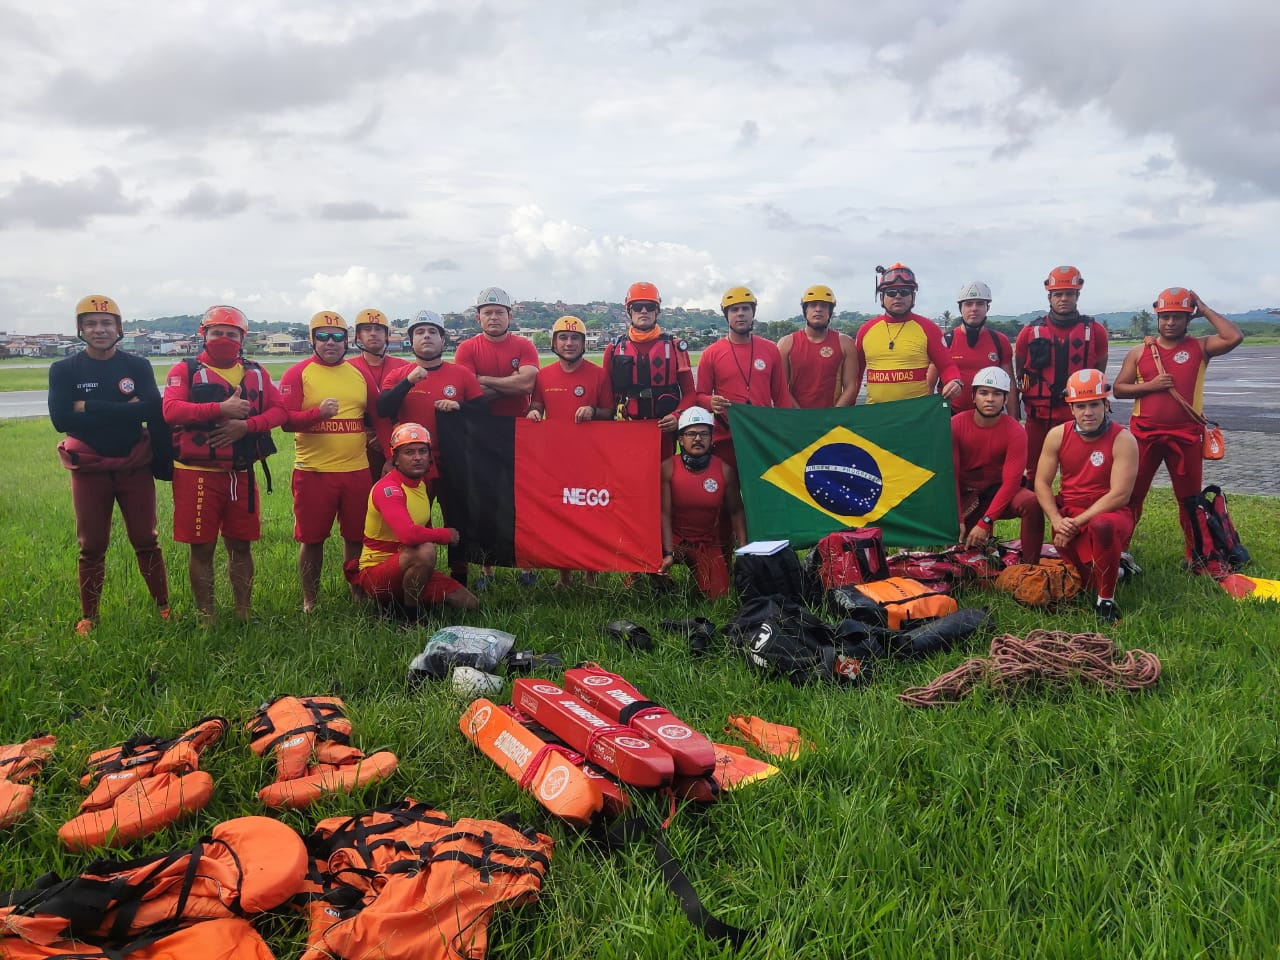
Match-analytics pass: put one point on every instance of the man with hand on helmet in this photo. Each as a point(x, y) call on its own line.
point(505, 364)
point(398, 560)
point(989, 452)
point(571, 387)
point(1048, 352)
point(1163, 376)
point(697, 489)
point(973, 346)
point(739, 368)
point(1090, 516)
point(648, 369)
point(819, 363)
point(222, 409)
point(100, 398)
point(429, 386)
point(329, 404)
point(373, 332)
point(896, 348)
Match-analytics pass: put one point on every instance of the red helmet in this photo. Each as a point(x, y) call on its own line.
point(1063, 278)
point(642, 291)
point(1174, 300)
point(897, 275)
point(223, 316)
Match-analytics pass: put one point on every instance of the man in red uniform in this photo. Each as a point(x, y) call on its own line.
point(1048, 352)
point(1164, 376)
point(398, 562)
point(571, 387)
point(973, 346)
point(223, 409)
point(1090, 517)
point(697, 489)
point(430, 386)
point(739, 368)
point(328, 402)
point(989, 451)
point(649, 369)
point(896, 348)
point(100, 398)
point(505, 364)
point(819, 362)
point(372, 334)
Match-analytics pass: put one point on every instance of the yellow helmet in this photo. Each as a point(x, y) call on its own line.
point(371, 316)
point(736, 295)
point(818, 294)
point(327, 318)
point(569, 325)
point(95, 303)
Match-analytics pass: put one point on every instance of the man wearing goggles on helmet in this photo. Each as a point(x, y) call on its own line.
point(989, 452)
point(697, 488)
point(896, 348)
point(1165, 376)
point(329, 403)
point(819, 362)
point(1090, 516)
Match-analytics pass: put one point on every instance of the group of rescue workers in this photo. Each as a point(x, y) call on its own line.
point(366, 457)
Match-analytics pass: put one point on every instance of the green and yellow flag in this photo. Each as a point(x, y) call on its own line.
point(806, 473)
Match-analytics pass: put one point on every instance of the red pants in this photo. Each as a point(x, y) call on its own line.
point(1184, 460)
point(1095, 551)
point(1037, 430)
point(92, 495)
point(709, 566)
point(1025, 506)
point(384, 582)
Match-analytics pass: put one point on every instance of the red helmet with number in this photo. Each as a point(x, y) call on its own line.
point(1063, 278)
point(898, 275)
point(1086, 385)
point(642, 290)
point(1174, 300)
point(224, 316)
point(408, 433)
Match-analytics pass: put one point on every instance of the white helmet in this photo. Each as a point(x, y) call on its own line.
point(428, 318)
point(974, 290)
point(493, 295)
point(693, 417)
point(993, 377)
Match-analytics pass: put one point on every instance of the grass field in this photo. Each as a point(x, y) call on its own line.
point(1067, 823)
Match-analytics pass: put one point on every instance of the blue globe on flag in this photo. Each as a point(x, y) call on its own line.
point(844, 479)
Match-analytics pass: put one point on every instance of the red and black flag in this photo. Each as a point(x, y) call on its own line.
point(538, 494)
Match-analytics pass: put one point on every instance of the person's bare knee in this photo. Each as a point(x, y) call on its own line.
point(462, 599)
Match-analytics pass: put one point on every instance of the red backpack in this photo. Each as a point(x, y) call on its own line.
point(850, 556)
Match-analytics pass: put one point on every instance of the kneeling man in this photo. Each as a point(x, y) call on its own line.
point(989, 450)
point(1091, 519)
point(398, 562)
point(696, 488)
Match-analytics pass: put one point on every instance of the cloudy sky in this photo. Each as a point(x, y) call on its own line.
point(292, 156)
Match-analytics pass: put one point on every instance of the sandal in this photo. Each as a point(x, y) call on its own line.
point(632, 634)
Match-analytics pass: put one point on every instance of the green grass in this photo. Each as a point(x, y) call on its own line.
point(1066, 823)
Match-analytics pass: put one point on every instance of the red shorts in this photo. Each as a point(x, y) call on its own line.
point(385, 581)
point(209, 502)
point(319, 497)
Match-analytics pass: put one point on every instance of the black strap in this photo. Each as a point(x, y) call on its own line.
point(709, 925)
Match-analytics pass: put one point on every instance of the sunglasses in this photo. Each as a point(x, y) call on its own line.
point(337, 336)
point(639, 307)
point(899, 292)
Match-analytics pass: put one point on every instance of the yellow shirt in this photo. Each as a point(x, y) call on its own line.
point(380, 539)
point(335, 445)
point(900, 371)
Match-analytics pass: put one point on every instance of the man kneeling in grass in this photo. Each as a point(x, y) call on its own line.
point(398, 561)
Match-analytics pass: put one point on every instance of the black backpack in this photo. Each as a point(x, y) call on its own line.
point(778, 574)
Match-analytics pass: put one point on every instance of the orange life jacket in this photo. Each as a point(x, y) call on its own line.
point(142, 785)
point(20, 762)
point(310, 741)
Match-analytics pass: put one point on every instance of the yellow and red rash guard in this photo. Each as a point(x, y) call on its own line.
point(399, 515)
point(335, 445)
point(896, 355)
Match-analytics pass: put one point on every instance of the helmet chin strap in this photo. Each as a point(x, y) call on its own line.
point(1102, 428)
point(428, 359)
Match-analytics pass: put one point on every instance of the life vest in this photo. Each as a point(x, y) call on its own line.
point(142, 785)
point(1044, 376)
point(244, 867)
point(646, 385)
point(405, 882)
point(190, 438)
point(20, 762)
point(309, 740)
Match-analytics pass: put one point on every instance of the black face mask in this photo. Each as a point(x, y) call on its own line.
point(696, 464)
point(1102, 428)
point(1064, 320)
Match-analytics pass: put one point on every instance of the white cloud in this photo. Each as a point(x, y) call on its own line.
point(354, 289)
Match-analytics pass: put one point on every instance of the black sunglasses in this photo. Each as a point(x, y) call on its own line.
point(337, 336)
point(899, 292)
point(644, 307)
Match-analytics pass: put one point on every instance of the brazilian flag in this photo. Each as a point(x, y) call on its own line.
point(807, 473)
